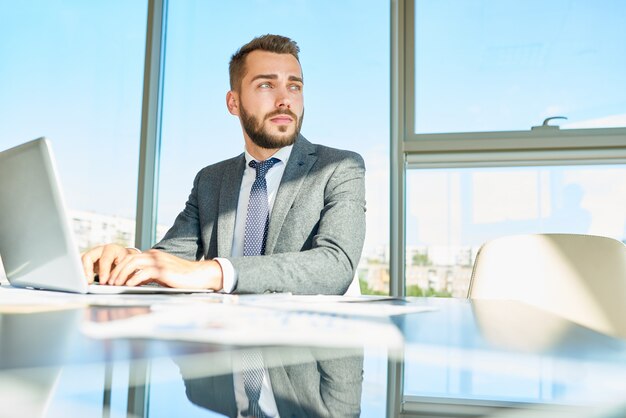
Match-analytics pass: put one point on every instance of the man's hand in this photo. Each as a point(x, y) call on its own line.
point(101, 260)
point(168, 270)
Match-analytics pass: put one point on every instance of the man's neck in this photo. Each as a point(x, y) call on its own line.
point(258, 153)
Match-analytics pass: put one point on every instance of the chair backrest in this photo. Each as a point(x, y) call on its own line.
point(579, 277)
point(355, 287)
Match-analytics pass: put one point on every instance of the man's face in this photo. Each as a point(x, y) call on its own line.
point(270, 103)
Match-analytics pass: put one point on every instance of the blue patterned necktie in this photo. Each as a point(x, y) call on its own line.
point(257, 222)
point(252, 373)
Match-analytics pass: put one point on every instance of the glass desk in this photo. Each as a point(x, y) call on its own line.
point(461, 358)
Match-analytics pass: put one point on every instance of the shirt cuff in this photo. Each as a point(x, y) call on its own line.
point(229, 275)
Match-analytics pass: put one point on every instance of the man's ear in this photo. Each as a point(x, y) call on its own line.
point(232, 102)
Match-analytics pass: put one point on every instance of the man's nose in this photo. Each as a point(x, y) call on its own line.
point(282, 99)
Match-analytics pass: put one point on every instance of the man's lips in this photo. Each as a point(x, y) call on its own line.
point(281, 119)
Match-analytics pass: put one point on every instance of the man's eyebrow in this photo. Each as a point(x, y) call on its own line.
point(274, 77)
point(265, 77)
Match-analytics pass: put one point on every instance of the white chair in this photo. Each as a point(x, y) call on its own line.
point(355, 287)
point(579, 277)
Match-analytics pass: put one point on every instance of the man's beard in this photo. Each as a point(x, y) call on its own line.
point(255, 130)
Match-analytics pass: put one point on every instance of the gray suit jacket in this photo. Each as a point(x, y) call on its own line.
point(314, 385)
point(316, 229)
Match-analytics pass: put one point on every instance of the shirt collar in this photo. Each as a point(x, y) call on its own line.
point(282, 154)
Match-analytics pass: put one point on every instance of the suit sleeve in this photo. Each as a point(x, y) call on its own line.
point(329, 265)
point(320, 382)
point(341, 384)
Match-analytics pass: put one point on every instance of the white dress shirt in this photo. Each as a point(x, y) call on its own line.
point(267, 402)
point(272, 178)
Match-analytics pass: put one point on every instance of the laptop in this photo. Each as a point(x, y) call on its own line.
point(37, 245)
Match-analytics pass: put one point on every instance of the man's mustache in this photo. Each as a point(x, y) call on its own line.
point(281, 112)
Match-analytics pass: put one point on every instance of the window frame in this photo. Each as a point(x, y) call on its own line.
point(542, 145)
point(151, 120)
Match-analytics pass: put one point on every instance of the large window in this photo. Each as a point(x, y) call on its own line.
point(72, 71)
point(476, 80)
point(480, 79)
point(345, 60)
point(492, 65)
point(468, 206)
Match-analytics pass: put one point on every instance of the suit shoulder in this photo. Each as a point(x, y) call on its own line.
point(335, 154)
point(219, 167)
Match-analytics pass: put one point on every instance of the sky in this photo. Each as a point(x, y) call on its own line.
point(346, 77)
point(72, 71)
point(509, 64)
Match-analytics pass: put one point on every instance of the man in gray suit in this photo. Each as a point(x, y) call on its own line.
point(304, 383)
point(298, 381)
point(314, 231)
point(315, 196)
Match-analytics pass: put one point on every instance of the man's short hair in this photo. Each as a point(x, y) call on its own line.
point(270, 43)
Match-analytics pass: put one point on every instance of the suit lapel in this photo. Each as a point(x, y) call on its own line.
point(284, 392)
point(229, 196)
point(220, 395)
point(300, 162)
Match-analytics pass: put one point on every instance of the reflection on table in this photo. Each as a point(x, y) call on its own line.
point(507, 354)
point(458, 353)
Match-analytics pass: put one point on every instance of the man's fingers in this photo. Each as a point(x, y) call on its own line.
point(159, 267)
point(116, 276)
point(110, 256)
point(102, 260)
point(88, 268)
point(105, 263)
point(143, 276)
point(127, 267)
point(88, 260)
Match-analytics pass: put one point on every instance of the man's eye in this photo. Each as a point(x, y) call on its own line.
point(295, 87)
point(265, 85)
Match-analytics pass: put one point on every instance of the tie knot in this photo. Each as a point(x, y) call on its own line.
point(262, 167)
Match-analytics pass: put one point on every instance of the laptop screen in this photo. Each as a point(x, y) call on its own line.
point(36, 242)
